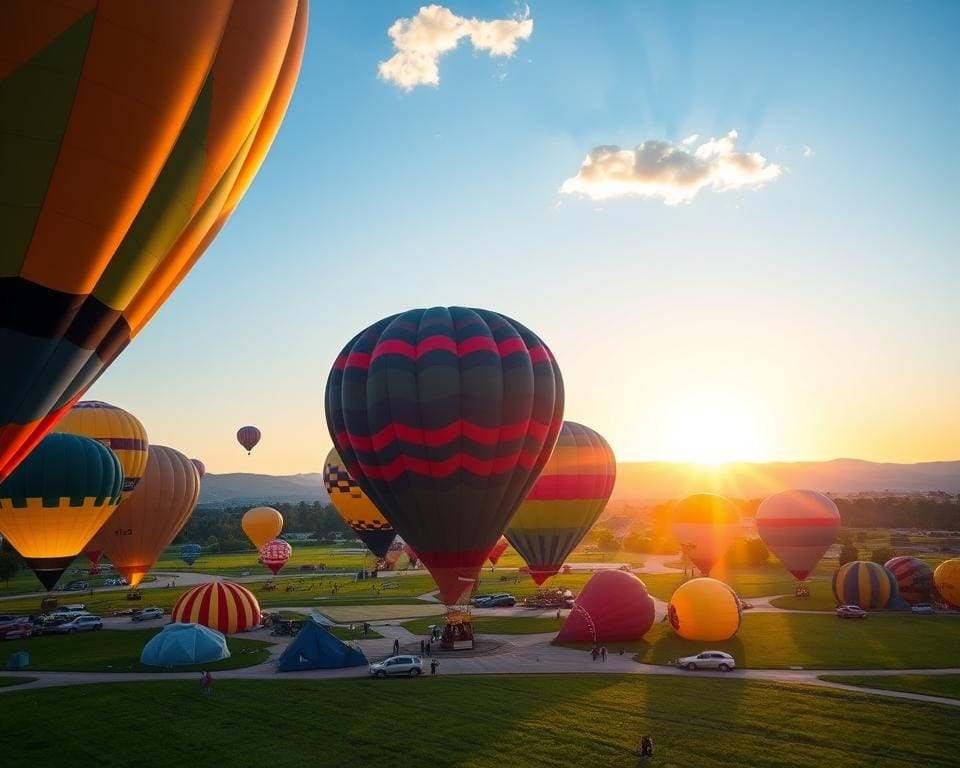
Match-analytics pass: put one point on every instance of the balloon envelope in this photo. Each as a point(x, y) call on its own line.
point(190, 552)
point(614, 607)
point(913, 576)
point(445, 417)
point(946, 579)
point(275, 553)
point(704, 609)
point(131, 132)
point(201, 468)
point(705, 525)
point(565, 502)
point(355, 507)
point(498, 549)
point(120, 431)
point(864, 583)
point(798, 527)
point(261, 524)
point(58, 497)
point(220, 605)
point(248, 437)
point(147, 521)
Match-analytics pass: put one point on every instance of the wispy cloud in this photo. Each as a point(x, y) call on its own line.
point(435, 30)
point(808, 151)
point(671, 172)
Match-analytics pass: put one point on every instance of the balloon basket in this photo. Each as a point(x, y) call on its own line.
point(802, 590)
point(457, 634)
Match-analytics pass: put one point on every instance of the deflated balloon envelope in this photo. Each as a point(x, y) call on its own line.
point(130, 132)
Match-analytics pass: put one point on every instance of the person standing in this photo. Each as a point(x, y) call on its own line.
point(595, 652)
point(208, 682)
point(428, 648)
point(603, 653)
point(433, 666)
point(396, 646)
point(423, 647)
point(203, 681)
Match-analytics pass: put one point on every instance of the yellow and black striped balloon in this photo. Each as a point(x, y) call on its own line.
point(355, 507)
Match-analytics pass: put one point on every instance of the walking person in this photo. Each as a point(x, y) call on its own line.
point(603, 653)
point(428, 647)
point(423, 647)
point(433, 666)
point(595, 652)
point(396, 647)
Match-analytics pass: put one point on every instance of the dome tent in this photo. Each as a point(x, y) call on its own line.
point(315, 648)
point(184, 644)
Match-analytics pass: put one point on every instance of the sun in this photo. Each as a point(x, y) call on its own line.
point(711, 428)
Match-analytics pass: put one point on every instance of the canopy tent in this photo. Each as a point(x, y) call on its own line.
point(315, 648)
point(184, 644)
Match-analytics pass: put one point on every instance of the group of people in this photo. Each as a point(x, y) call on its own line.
point(426, 646)
point(599, 651)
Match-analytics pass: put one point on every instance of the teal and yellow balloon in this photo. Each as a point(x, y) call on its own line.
point(57, 499)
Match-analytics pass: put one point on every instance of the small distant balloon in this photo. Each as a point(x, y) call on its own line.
point(201, 469)
point(705, 525)
point(190, 552)
point(274, 554)
point(248, 437)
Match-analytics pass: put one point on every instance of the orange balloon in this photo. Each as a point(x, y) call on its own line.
point(144, 524)
point(261, 524)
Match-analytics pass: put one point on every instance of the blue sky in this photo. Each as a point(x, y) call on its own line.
point(821, 309)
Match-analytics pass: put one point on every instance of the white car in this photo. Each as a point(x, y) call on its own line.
point(147, 614)
point(708, 660)
point(84, 623)
point(398, 665)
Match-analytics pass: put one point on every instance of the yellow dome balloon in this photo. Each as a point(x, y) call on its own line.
point(704, 609)
point(261, 524)
point(120, 431)
point(946, 578)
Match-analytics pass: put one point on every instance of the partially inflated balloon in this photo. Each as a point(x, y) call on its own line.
point(798, 527)
point(704, 609)
point(864, 583)
point(498, 549)
point(201, 469)
point(946, 578)
point(275, 553)
point(130, 133)
point(565, 502)
point(445, 417)
point(261, 524)
point(614, 607)
point(355, 507)
point(914, 578)
point(151, 517)
point(705, 525)
point(58, 497)
point(190, 552)
point(120, 431)
point(248, 437)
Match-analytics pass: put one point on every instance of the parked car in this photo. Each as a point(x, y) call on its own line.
point(73, 609)
point(398, 665)
point(148, 614)
point(13, 627)
point(922, 609)
point(85, 623)
point(115, 581)
point(708, 660)
point(851, 612)
point(76, 586)
point(499, 600)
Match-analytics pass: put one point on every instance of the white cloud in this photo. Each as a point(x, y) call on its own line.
point(808, 151)
point(435, 30)
point(673, 173)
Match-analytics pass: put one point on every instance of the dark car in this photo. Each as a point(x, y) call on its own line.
point(499, 600)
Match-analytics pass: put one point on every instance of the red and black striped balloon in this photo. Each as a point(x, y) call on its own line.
point(445, 417)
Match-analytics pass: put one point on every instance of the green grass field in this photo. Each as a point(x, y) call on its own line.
point(947, 686)
point(494, 625)
point(779, 641)
point(6, 682)
point(538, 721)
point(119, 651)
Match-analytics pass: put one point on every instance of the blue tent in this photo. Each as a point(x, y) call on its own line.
point(315, 648)
point(183, 644)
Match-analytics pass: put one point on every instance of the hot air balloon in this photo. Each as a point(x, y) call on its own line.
point(864, 583)
point(261, 524)
point(705, 525)
point(445, 417)
point(706, 610)
point(498, 549)
point(220, 605)
point(355, 507)
point(93, 555)
point(132, 131)
point(248, 437)
point(151, 517)
point(201, 469)
point(798, 527)
point(190, 552)
point(275, 553)
point(946, 579)
point(614, 607)
point(913, 576)
point(565, 502)
point(58, 497)
point(120, 431)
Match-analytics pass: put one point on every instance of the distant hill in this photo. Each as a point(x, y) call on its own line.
point(246, 488)
point(661, 480)
point(651, 480)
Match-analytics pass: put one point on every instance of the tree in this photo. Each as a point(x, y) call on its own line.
point(881, 554)
point(9, 565)
point(213, 544)
point(848, 553)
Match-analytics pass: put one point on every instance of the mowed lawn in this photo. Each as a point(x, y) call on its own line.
point(474, 722)
point(783, 640)
point(947, 686)
point(119, 651)
point(8, 681)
